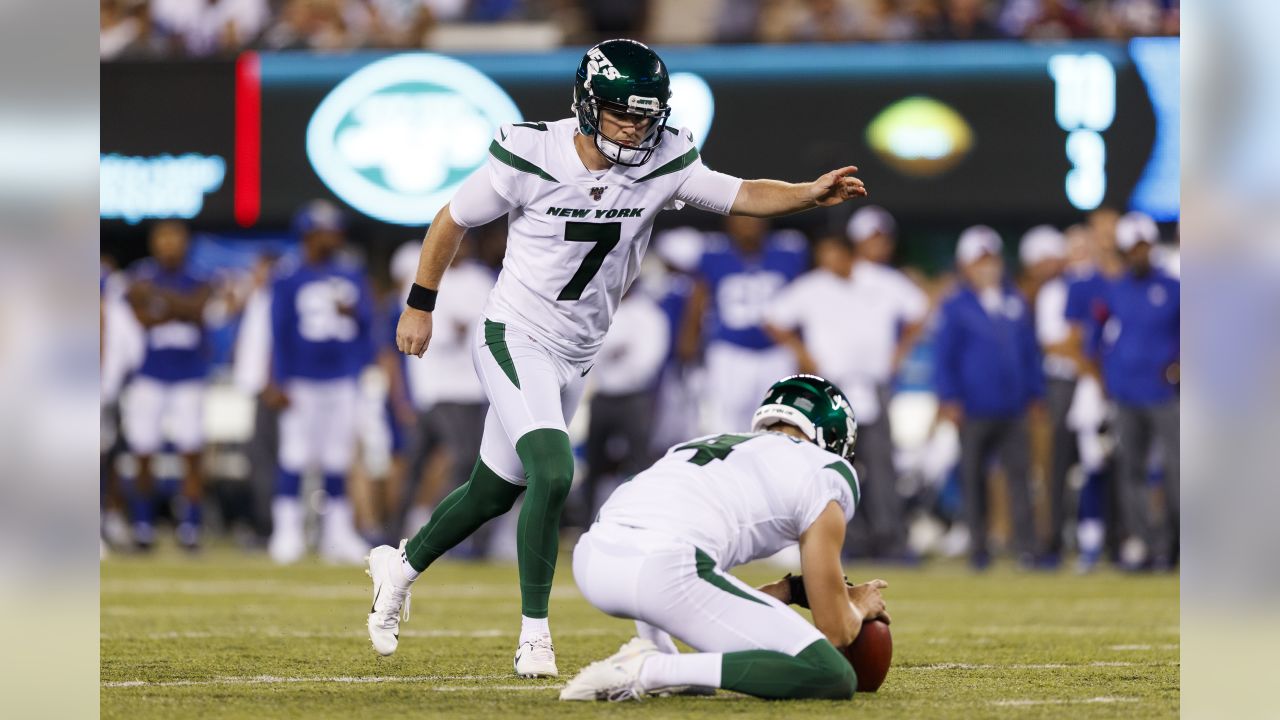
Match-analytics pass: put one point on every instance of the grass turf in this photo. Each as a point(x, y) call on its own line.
point(225, 635)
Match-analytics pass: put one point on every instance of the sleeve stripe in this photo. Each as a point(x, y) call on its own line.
point(849, 476)
point(676, 165)
point(507, 157)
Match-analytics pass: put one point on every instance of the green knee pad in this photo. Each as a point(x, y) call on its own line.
point(548, 467)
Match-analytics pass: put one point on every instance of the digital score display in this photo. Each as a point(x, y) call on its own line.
point(965, 132)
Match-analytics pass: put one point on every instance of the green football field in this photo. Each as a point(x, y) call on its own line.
point(227, 635)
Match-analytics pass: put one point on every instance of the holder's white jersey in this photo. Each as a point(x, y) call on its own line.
point(736, 497)
point(576, 238)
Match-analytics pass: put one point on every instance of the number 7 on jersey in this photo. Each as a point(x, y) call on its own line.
point(605, 236)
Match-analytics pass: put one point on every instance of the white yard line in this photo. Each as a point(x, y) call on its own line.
point(503, 688)
point(304, 590)
point(1030, 666)
point(1167, 646)
point(1081, 701)
point(278, 632)
point(1072, 629)
point(275, 680)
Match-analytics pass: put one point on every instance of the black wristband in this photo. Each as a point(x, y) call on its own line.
point(422, 298)
point(795, 584)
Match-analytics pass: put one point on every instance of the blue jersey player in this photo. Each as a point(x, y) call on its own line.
point(738, 275)
point(321, 323)
point(164, 401)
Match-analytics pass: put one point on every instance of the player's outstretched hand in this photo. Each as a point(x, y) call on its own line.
point(836, 187)
point(413, 332)
point(867, 599)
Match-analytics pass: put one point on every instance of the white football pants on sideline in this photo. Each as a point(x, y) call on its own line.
point(318, 428)
point(152, 410)
point(738, 378)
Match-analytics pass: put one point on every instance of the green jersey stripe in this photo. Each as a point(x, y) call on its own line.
point(532, 125)
point(676, 165)
point(842, 467)
point(707, 571)
point(495, 338)
point(517, 162)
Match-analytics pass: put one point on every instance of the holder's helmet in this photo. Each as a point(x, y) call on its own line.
point(626, 77)
point(814, 405)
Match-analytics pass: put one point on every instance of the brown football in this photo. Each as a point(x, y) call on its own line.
point(870, 655)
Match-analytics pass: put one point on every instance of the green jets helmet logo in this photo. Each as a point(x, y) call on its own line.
point(397, 137)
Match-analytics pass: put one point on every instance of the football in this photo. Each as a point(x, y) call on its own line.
point(870, 655)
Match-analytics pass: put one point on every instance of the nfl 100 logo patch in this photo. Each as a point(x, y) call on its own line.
point(597, 193)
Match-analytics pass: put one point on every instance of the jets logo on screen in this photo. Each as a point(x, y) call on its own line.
point(396, 137)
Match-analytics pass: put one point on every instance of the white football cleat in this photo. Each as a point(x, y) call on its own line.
point(390, 599)
point(288, 543)
point(614, 679)
point(536, 658)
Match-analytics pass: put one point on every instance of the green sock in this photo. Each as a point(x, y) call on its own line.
point(548, 466)
point(819, 671)
point(483, 497)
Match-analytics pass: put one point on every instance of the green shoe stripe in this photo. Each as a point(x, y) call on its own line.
point(707, 571)
point(843, 468)
point(517, 162)
point(676, 165)
point(495, 339)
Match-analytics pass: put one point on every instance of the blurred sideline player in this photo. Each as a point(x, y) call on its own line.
point(875, 233)
point(678, 251)
point(854, 320)
point(321, 316)
point(664, 543)
point(738, 276)
point(988, 376)
point(393, 419)
point(123, 343)
point(1140, 365)
point(622, 408)
point(581, 195)
point(165, 399)
point(1042, 253)
point(1086, 312)
point(447, 396)
point(1086, 409)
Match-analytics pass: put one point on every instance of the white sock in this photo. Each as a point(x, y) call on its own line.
point(531, 628)
point(664, 671)
point(406, 569)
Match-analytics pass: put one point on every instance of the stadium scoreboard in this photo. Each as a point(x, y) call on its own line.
point(963, 131)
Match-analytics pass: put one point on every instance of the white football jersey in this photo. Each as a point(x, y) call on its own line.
point(576, 237)
point(736, 497)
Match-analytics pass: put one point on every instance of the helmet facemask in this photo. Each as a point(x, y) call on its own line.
point(589, 110)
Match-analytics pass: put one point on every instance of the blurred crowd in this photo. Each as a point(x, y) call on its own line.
point(1023, 403)
point(210, 28)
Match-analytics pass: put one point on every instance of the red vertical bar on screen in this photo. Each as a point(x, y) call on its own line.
point(248, 161)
